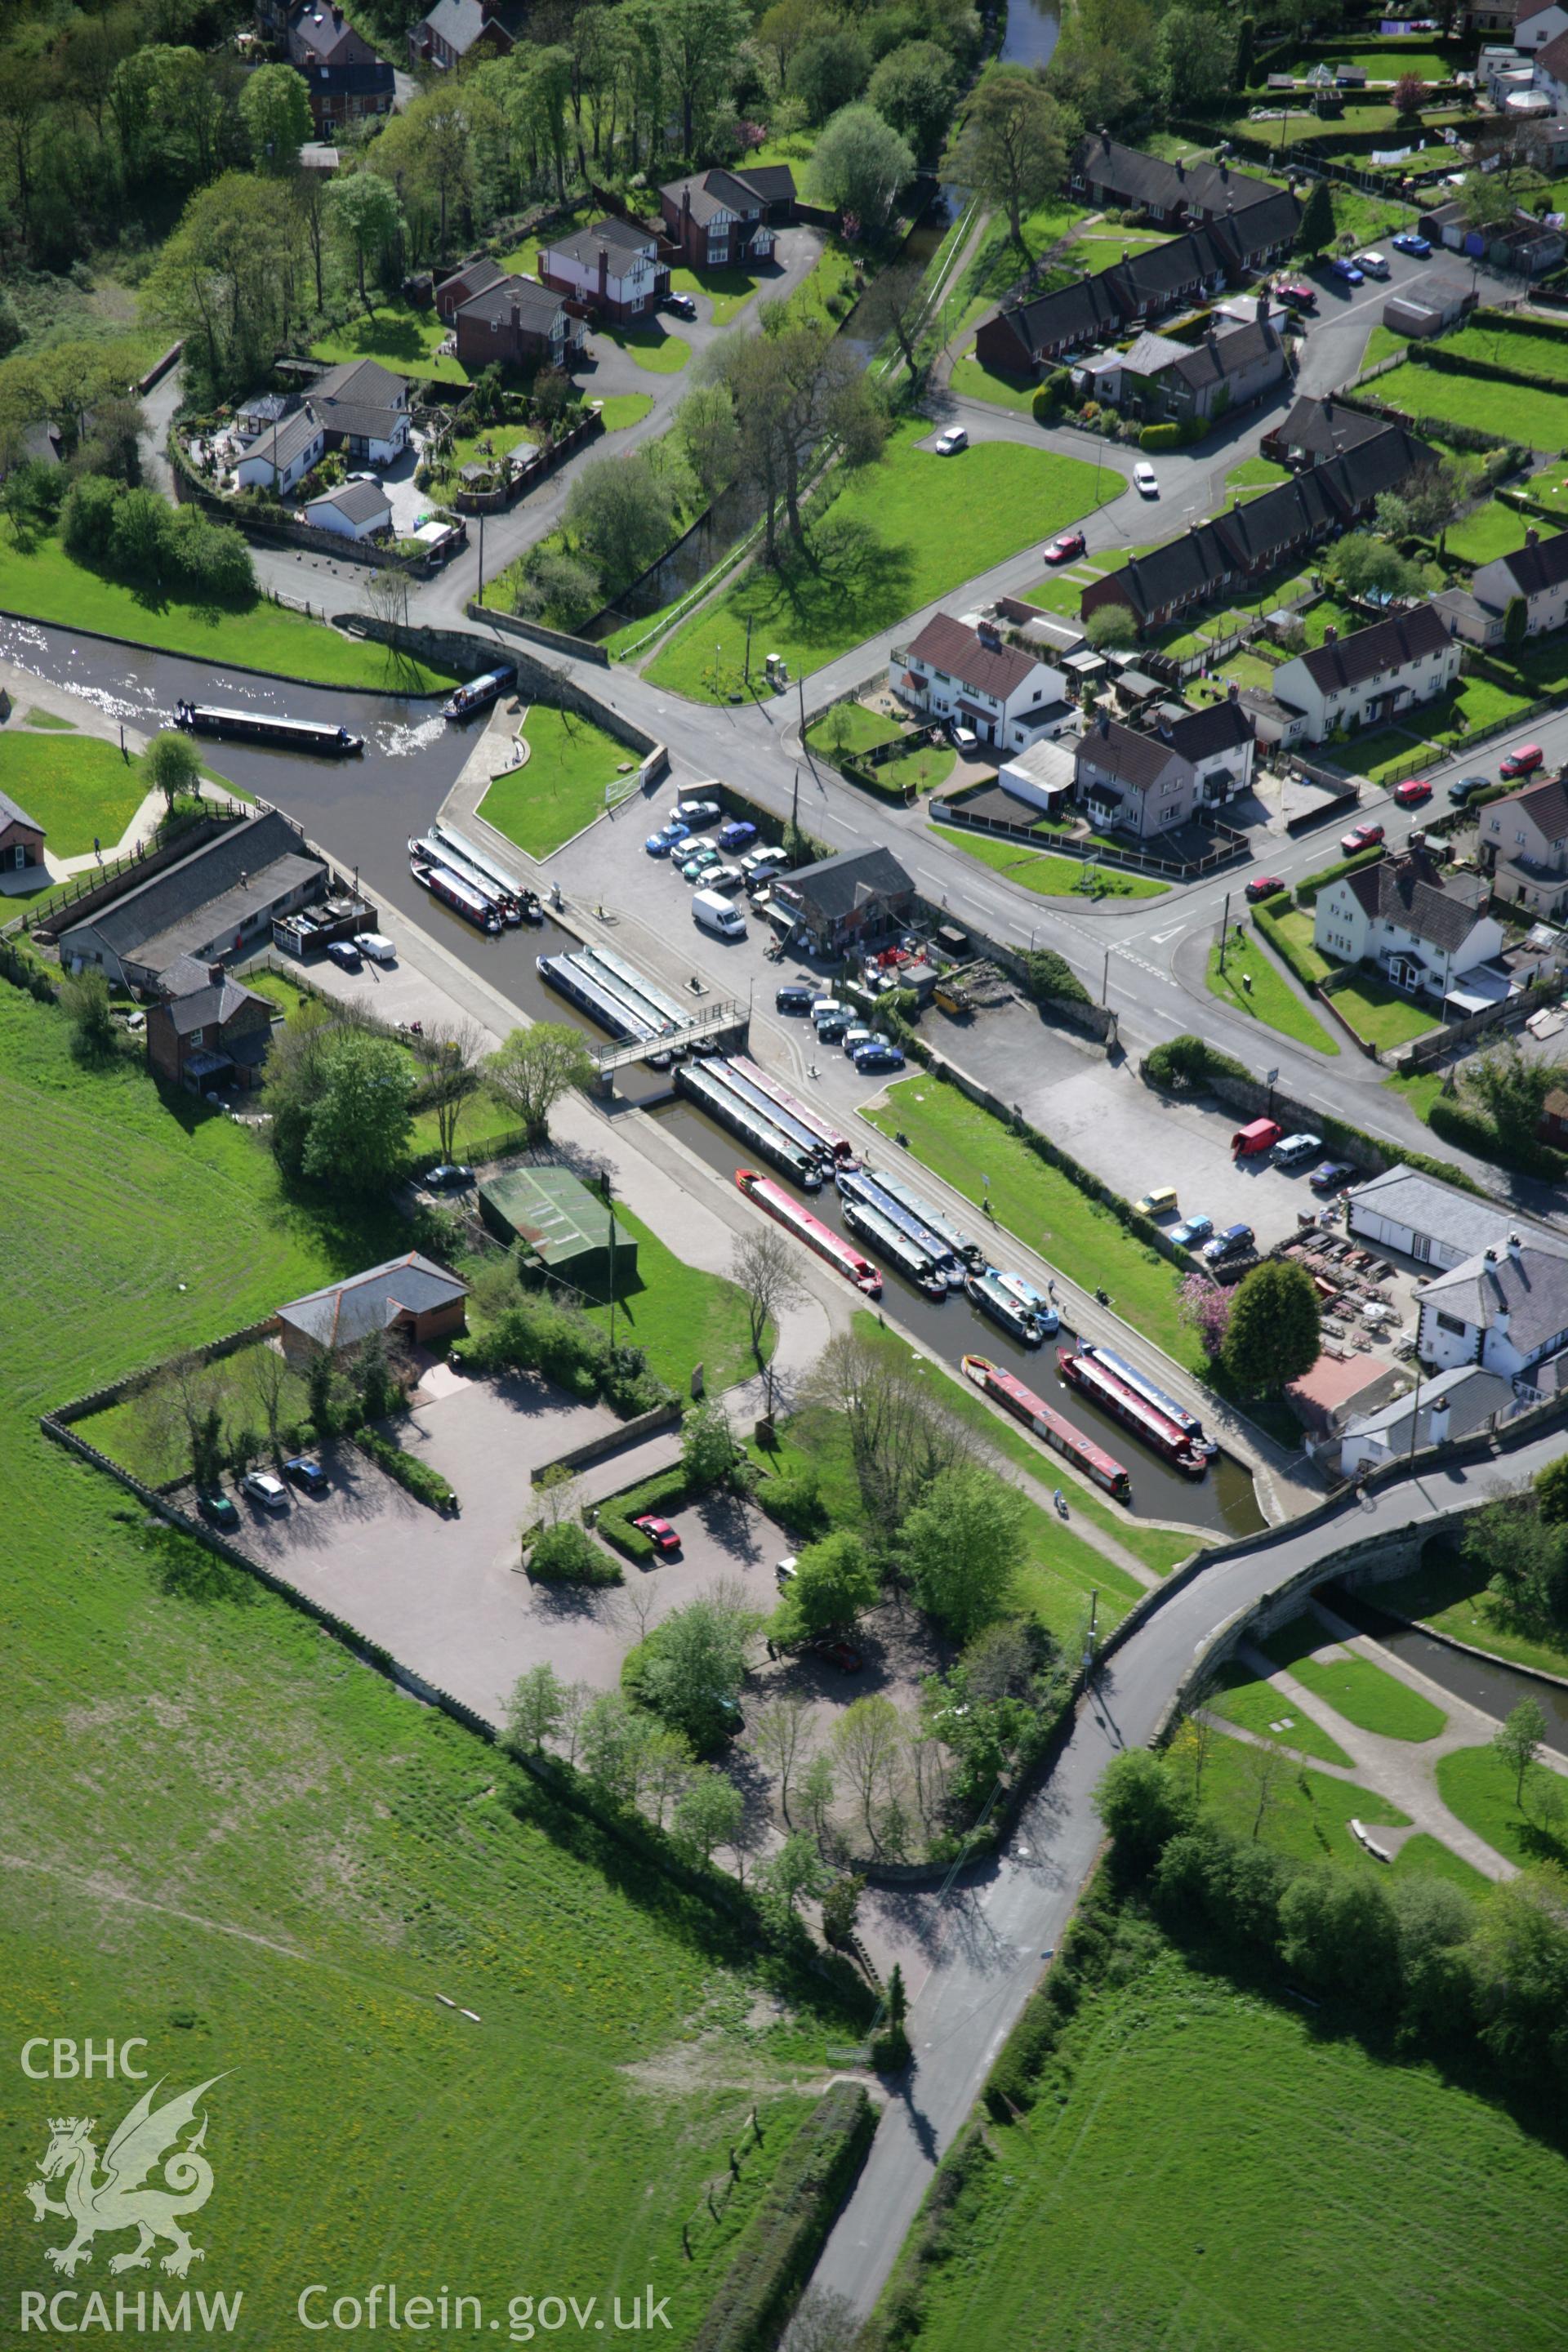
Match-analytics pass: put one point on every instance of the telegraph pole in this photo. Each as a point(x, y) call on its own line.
point(1224, 924)
point(480, 598)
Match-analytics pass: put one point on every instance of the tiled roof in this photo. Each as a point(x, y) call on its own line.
point(1423, 1205)
point(362, 383)
point(242, 858)
point(1134, 759)
point(1469, 1393)
point(775, 183)
point(1530, 1288)
point(346, 1312)
point(537, 308)
point(460, 23)
point(1542, 566)
point(217, 1001)
point(1386, 645)
point(618, 236)
point(1197, 564)
point(281, 443)
point(1220, 356)
point(1409, 891)
point(996, 670)
point(464, 284)
point(1324, 428)
point(356, 501)
point(1149, 180)
point(1256, 531)
point(1217, 726)
point(1545, 804)
point(712, 193)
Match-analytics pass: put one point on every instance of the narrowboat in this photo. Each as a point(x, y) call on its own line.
point(777, 1203)
point(1005, 1389)
point(1090, 1378)
point(986, 1291)
point(318, 735)
point(479, 693)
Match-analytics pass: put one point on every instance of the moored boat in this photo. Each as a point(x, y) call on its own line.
point(788, 1213)
point(1091, 1379)
point(1008, 1390)
point(986, 1291)
point(1141, 1385)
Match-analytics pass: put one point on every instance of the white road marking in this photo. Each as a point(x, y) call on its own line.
point(1158, 938)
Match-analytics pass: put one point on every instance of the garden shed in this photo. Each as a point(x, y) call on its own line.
point(561, 1224)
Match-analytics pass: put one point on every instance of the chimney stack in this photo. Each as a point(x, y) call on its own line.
point(1331, 633)
point(1232, 691)
point(1515, 1247)
point(215, 974)
point(1438, 1420)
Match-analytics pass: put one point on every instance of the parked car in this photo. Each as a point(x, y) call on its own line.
point(1522, 762)
point(264, 1488)
point(376, 945)
point(691, 813)
point(1298, 293)
point(1360, 837)
point(1192, 1231)
point(948, 444)
point(1263, 885)
point(450, 1176)
point(214, 1505)
point(1410, 240)
point(857, 1035)
point(694, 867)
point(1348, 271)
point(1145, 480)
point(345, 955)
point(839, 1653)
point(1259, 1135)
point(1465, 788)
point(660, 843)
point(681, 304)
point(964, 739)
point(1330, 1174)
point(1292, 1149)
point(727, 878)
point(786, 1568)
point(1234, 1242)
point(1159, 1203)
point(302, 1470)
point(737, 835)
point(827, 1008)
point(794, 996)
point(878, 1056)
point(1065, 545)
point(1413, 791)
point(659, 1532)
point(1373, 265)
point(831, 1028)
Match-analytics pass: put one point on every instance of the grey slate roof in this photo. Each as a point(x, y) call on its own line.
point(460, 23)
point(471, 280)
point(835, 886)
point(1529, 1287)
point(1460, 1220)
point(1217, 726)
point(1218, 357)
point(1133, 758)
point(618, 236)
point(217, 1001)
point(281, 443)
point(358, 501)
point(1386, 645)
point(346, 1312)
point(171, 914)
point(1470, 1394)
point(13, 812)
point(1545, 804)
point(712, 193)
point(1409, 891)
point(537, 308)
point(1534, 569)
point(949, 645)
point(1325, 429)
point(1148, 179)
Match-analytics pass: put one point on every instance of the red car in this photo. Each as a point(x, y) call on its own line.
point(1064, 547)
point(659, 1532)
point(1361, 837)
point(1413, 791)
point(1262, 886)
point(1522, 762)
point(1305, 298)
point(837, 1653)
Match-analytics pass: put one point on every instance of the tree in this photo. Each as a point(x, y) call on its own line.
point(858, 167)
point(1104, 63)
point(795, 1870)
point(1409, 94)
point(1364, 565)
point(172, 765)
point(1515, 624)
point(1512, 1092)
point(228, 278)
point(780, 1732)
point(84, 1000)
point(841, 1905)
point(621, 511)
point(834, 1583)
point(706, 430)
point(1273, 1335)
point(1246, 45)
point(1197, 56)
point(1550, 1482)
point(275, 105)
point(267, 1369)
point(695, 1661)
point(912, 90)
point(1206, 1308)
point(1489, 199)
point(962, 1542)
point(763, 1268)
point(895, 304)
point(697, 43)
point(1267, 1768)
point(1013, 148)
point(708, 1814)
point(453, 1063)
point(1338, 1932)
point(367, 219)
point(828, 71)
point(1140, 1806)
point(1316, 230)
point(1111, 625)
point(1517, 1740)
point(536, 1708)
point(867, 1740)
point(824, 2320)
point(615, 1737)
point(360, 1124)
point(899, 1438)
point(709, 1455)
point(532, 1068)
point(817, 1789)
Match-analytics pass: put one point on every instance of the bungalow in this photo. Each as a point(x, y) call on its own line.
point(476, 276)
point(21, 840)
point(1318, 430)
point(1144, 784)
point(283, 453)
point(363, 409)
point(220, 900)
point(614, 266)
point(353, 511)
point(1523, 847)
point(348, 81)
point(206, 1029)
point(411, 1296)
point(1364, 681)
point(457, 30)
point(1399, 915)
point(963, 674)
point(1186, 195)
point(1505, 1309)
point(721, 219)
point(516, 324)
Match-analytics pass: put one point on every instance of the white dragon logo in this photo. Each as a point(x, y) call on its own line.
point(118, 2201)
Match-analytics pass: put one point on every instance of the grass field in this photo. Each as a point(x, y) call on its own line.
point(1384, 1015)
point(1308, 1814)
point(1544, 358)
point(678, 1314)
point(1451, 1596)
point(1050, 878)
point(998, 264)
point(972, 380)
point(620, 409)
point(282, 1861)
point(898, 534)
point(1253, 1702)
point(45, 584)
point(1362, 1693)
point(1516, 411)
point(1479, 1786)
point(1038, 1203)
point(1491, 531)
point(728, 290)
point(77, 786)
point(1256, 473)
point(1270, 998)
point(1297, 926)
point(560, 788)
point(1382, 344)
point(1201, 2172)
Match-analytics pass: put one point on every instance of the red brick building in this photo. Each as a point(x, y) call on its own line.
point(723, 219)
point(515, 323)
point(209, 1030)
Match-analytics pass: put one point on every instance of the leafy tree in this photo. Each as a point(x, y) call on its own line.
point(817, 1793)
point(1198, 54)
point(1520, 1951)
point(1267, 1768)
point(895, 304)
point(1409, 94)
point(276, 107)
point(360, 1122)
point(693, 1665)
point(1273, 1335)
point(841, 1907)
point(697, 43)
point(962, 1542)
point(1141, 1805)
point(708, 1814)
point(828, 71)
point(1013, 148)
point(1515, 624)
point(1489, 199)
point(367, 220)
point(379, 1392)
point(795, 1870)
point(912, 90)
point(834, 1584)
point(268, 1372)
point(898, 1996)
point(532, 1068)
point(453, 1068)
point(706, 429)
point(1317, 229)
point(1111, 625)
point(900, 1439)
point(1517, 1741)
point(1049, 976)
point(860, 165)
point(621, 511)
point(172, 765)
point(614, 1737)
point(784, 26)
point(536, 1708)
point(1204, 1308)
point(1337, 1933)
point(1512, 1092)
point(557, 587)
point(1104, 63)
point(709, 1454)
point(1364, 565)
point(1550, 1482)
point(228, 278)
point(765, 1270)
point(1245, 44)
point(867, 1740)
point(84, 1000)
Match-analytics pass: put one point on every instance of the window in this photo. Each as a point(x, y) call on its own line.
point(1452, 1325)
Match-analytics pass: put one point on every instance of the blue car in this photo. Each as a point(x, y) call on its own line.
point(736, 834)
point(1410, 241)
point(659, 845)
point(1348, 271)
point(879, 1057)
point(1192, 1231)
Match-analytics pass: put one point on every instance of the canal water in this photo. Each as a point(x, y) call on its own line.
point(1489, 1684)
point(1033, 29)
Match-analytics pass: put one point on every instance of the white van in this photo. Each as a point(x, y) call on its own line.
point(376, 945)
point(711, 912)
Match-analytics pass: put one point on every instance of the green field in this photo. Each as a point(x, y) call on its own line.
point(972, 380)
point(1511, 411)
point(77, 786)
point(1050, 878)
point(560, 788)
point(1543, 358)
point(728, 290)
point(233, 1838)
point(1362, 1693)
point(1479, 1786)
point(898, 534)
point(1269, 999)
point(1254, 1703)
point(1382, 344)
point(47, 585)
point(1308, 1813)
point(998, 264)
point(678, 1314)
point(1384, 1015)
point(1256, 473)
point(1451, 1595)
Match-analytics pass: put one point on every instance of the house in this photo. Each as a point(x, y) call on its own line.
point(1524, 847)
point(1418, 932)
point(1364, 680)
point(457, 30)
point(348, 80)
point(515, 323)
point(1455, 1404)
point(21, 841)
point(1505, 1308)
point(219, 901)
point(1143, 783)
point(613, 267)
point(411, 1296)
point(1534, 28)
point(1553, 1124)
point(1427, 1221)
point(476, 277)
point(363, 410)
point(1159, 378)
point(1187, 194)
point(206, 1030)
point(963, 673)
point(843, 902)
point(1537, 571)
point(721, 219)
point(1317, 430)
point(282, 453)
point(353, 511)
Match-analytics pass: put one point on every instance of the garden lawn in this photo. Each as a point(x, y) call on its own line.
point(1475, 1784)
point(1382, 344)
point(1362, 1693)
point(1451, 1595)
point(1514, 412)
point(1297, 926)
point(921, 771)
point(898, 535)
point(972, 380)
point(1051, 877)
point(1253, 1702)
point(1256, 473)
point(302, 1859)
point(620, 409)
point(1548, 488)
point(728, 290)
point(999, 264)
point(523, 259)
point(1542, 357)
point(652, 346)
point(77, 786)
point(1421, 1089)
point(47, 585)
point(853, 728)
point(1040, 1204)
point(127, 1433)
point(1271, 999)
point(1326, 614)
point(1491, 531)
point(501, 439)
point(560, 788)
point(401, 337)
point(1381, 1014)
point(679, 1315)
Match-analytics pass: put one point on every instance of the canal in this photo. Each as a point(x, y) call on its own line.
point(1485, 1683)
point(1033, 29)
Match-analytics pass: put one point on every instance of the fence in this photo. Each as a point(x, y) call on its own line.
point(1508, 1012)
point(522, 478)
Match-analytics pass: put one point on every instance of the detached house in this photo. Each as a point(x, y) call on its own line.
point(1143, 784)
point(614, 267)
point(515, 323)
point(283, 454)
point(1537, 571)
point(1347, 683)
point(456, 30)
point(1524, 847)
point(207, 1029)
point(956, 672)
point(363, 409)
point(475, 278)
point(1400, 917)
point(348, 81)
point(721, 219)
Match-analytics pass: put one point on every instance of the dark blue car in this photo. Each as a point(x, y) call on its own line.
point(1410, 240)
point(737, 834)
point(1348, 271)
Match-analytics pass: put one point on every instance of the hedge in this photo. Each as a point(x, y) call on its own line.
point(1160, 437)
point(778, 2248)
point(663, 1493)
point(1460, 363)
point(1048, 978)
point(421, 1480)
point(567, 1554)
point(1307, 891)
point(1471, 1130)
point(1288, 955)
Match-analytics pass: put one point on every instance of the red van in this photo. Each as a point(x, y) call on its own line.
point(1261, 1136)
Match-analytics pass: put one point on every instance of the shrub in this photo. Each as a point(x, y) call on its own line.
point(1307, 891)
point(1043, 404)
point(1160, 437)
point(1049, 976)
point(794, 1498)
point(419, 1478)
point(1471, 1130)
point(1189, 1061)
point(567, 1554)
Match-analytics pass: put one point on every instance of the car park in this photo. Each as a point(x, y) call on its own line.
point(1292, 1149)
point(681, 304)
point(376, 945)
point(264, 1488)
point(1330, 1174)
point(1065, 545)
point(1145, 480)
point(878, 1056)
point(1263, 885)
point(1347, 272)
point(695, 813)
point(1410, 240)
point(659, 1532)
point(669, 837)
point(304, 1470)
point(450, 1176)
point(1522, 762)
point(1360, 837)
point(1373, 265)
point(1191, 1231)
point(948, 444)
point(1413, 791)
point(214, 1505)
point(843, 1654)
point(794, 996)
point(1159, 1203)
point(1234, 1242)
point(1465, 788)
point(345, 955)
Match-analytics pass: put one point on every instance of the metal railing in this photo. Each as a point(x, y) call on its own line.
point(711, 1022)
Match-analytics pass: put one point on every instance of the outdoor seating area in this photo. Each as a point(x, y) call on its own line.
point(1368, 1304)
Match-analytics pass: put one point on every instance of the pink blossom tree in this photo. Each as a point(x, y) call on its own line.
point(1204, 1308)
